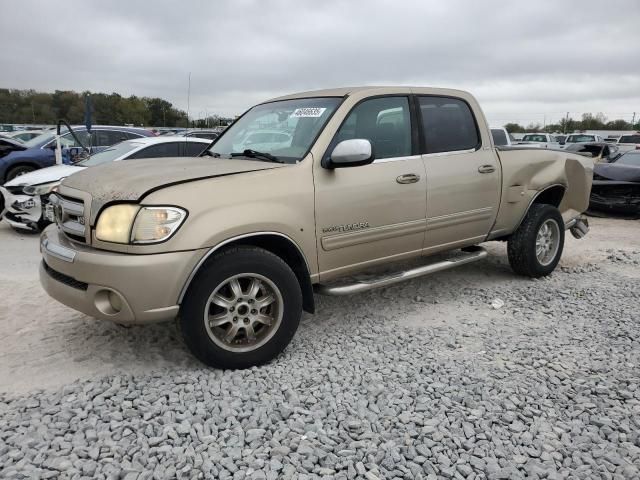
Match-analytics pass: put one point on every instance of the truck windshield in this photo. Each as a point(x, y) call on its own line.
point(283, 129)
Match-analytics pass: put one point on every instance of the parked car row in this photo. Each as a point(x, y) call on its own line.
point(39, 151)
point(26, 196)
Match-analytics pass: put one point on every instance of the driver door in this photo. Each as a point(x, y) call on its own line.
point(373, 213)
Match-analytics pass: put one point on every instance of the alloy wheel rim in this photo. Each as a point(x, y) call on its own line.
point(547, 242)
point(243, 312)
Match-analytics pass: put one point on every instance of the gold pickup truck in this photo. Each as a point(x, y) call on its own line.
point(298, 196)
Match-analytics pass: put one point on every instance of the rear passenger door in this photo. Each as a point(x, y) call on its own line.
point(463, 175)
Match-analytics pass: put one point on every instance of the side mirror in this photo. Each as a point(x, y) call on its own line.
point(52, 146)
point(351, 153)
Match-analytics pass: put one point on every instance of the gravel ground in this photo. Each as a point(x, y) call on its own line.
point(472, 373)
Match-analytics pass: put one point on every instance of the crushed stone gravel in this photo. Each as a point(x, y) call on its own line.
point(420, 381)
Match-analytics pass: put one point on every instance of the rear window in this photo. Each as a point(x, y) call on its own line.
point(499, 137)
point(534, 138)
point(580, 138)
point(448, 125)
point(629, 139)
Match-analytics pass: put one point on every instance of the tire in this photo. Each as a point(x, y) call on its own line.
point(214, 294)
point(26, 231)
point(17, 171)
point(523, 246)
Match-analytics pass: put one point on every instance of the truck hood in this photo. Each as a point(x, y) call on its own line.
point(132, 180)
point(45, 175)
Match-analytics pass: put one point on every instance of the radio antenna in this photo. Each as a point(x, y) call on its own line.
point(188, 99)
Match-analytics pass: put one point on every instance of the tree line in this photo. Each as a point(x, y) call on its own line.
point(589, 122)
point(32, 107)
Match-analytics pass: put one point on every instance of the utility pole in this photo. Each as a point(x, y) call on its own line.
point(633, 120)
point(566, 122)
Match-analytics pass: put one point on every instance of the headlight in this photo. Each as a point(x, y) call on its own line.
point(114, 224)
point(128, 223)
point(43, 189)
point(155, 224)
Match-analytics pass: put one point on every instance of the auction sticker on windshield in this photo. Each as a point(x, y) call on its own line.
point(312, 112)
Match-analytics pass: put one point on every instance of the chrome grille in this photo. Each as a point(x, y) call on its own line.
point(69, 216)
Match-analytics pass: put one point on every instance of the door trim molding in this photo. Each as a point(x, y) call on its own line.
point(343, 240)
point(458, 218)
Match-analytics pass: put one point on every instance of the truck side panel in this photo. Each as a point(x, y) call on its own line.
point(527, 172)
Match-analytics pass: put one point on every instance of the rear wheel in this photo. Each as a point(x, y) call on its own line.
point(19, 170)
point(536, 246)
point(242, 309)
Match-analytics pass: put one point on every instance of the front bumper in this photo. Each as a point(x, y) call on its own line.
point(123, 288)
point(22, 211)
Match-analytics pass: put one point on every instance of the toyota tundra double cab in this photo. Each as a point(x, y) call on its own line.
point(301, 195)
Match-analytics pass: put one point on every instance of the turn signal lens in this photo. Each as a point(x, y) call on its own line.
point(155, 224)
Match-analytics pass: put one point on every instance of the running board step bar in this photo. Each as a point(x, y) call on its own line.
point(469, 255)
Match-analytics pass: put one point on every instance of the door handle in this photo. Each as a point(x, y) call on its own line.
point(408, 178)
point(487, 169)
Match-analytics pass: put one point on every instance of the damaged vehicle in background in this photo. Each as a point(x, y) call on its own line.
point(26, 196)
point(616, 186)
point(39, 151)
point(598, 151)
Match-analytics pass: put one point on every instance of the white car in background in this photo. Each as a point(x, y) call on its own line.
point(582, 138)
point(266, 140)
point(26, 197)
point(627, 143)
point(542, 140)
point(501, 138)
point(23, 135)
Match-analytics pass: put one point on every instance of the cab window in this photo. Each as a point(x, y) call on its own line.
point(448, 125)
point(385, 122)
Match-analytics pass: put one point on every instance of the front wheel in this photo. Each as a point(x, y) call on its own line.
point(18, 171)
point(536, 246)
point(242, 309)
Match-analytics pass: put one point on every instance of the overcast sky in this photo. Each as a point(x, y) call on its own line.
point(522, 60)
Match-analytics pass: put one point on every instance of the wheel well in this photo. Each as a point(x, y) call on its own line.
point(291, 254)
point(21, 164)
point(551, 196)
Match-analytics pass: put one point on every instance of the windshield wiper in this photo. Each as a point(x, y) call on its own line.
point(257, 155)
point(210, 154)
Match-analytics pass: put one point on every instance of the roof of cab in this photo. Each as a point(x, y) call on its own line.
point(345, 91)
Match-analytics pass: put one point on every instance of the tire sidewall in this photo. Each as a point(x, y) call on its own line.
point(17, 171)
point(216, 271)
point(544, 214)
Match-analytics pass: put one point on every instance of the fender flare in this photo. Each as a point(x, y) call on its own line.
point(535, 197)
point(220, 245)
